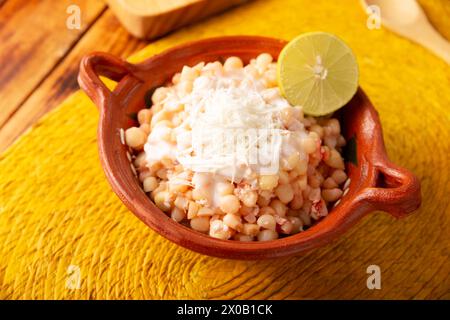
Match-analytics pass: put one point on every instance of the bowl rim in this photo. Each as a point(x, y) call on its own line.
point(381, 184)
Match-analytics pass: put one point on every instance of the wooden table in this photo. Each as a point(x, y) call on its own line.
point(40, 56)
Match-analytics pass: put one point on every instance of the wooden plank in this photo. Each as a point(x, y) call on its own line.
point(105, 35)
point(33, 39)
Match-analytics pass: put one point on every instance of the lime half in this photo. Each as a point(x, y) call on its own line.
point(317, 71)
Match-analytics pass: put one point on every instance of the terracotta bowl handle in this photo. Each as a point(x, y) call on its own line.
point(396, 191)
point(98, 64)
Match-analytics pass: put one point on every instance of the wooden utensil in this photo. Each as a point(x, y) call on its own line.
point(376, 183)
point(153, 18)
point(407, 18)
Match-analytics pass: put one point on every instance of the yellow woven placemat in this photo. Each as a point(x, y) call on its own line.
point(65, 235)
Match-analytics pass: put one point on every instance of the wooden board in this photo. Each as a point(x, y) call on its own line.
point(153, 18)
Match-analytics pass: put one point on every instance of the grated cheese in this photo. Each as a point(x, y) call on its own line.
point(232, 128)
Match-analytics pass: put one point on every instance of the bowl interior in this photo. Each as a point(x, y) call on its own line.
point(131, 95)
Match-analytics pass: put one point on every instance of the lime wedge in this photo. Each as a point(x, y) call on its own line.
point(317, 71)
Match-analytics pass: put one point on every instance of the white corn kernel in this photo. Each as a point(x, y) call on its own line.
point(135, 138)
point(233, 221)
point(177, 214)
point(268, 182)
point(267, 221)
point(233, 63)
point(150, 184)
point(285, 193)
point(267, 235)
point(250, 229)
point(144, 116)
point(200, 224)
point(229, 204)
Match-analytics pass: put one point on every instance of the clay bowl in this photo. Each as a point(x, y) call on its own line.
point(376, 183)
